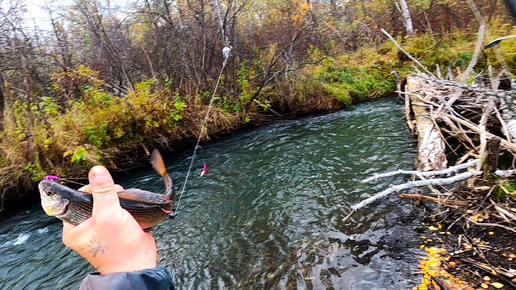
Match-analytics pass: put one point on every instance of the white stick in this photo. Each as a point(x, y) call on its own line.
point(505, 172)
point(483, 139)
point(396, 188)
point(422, 173)
point(481, 31)
point(407, 54)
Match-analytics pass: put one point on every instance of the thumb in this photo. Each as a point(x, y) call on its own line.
point(105, 198)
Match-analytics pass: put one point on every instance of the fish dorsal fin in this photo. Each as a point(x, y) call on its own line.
point(157, 163)
point(143, 196)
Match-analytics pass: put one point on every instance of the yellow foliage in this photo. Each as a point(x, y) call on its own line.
point(432, 267)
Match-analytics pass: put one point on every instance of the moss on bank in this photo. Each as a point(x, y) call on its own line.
point(66, 136)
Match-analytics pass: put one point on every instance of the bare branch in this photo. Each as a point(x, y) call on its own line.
point(422, 173)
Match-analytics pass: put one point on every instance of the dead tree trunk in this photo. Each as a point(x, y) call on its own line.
point(431, 155)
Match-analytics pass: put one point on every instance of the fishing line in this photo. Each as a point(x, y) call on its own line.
point(70, 181)
point(202, 155)
point(205, 166)
point(200, 135)
point(54, 177)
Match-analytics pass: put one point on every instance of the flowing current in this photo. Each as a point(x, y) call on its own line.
point(267, 215)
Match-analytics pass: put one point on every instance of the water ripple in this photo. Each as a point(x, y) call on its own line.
point(267, 215)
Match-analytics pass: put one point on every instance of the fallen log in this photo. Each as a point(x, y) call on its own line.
point(431, 145)
point(408, 115)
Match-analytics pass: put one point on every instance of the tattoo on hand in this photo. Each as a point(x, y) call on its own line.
point(95, 247)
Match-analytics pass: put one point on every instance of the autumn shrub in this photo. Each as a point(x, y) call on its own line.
point(102, 121)
point(83, 122)
point(455, 49)
point(22, 142)
point(67, 138)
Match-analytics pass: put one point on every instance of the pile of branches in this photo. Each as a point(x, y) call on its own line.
point(470, 122)
point(477, 219)
point(471, 115)
point(475, 123)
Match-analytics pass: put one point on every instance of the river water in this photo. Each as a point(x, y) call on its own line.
point(267, 215)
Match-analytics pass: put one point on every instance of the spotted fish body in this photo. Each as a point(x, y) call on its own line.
point(147, 208)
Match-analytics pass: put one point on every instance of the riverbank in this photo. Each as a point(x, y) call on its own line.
point(65, 137)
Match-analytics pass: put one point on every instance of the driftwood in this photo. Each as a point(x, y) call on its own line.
point(505, 173)
point(404, 51)
point(398, 84)
point(492, 154)
point(478, 48)
point(414, 184)
point(408, 115)
point(493, 225)
point(483, 139)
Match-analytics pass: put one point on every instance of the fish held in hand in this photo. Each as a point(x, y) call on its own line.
point(147, 208)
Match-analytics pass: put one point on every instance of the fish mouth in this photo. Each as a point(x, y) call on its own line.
point(58, 208)
point(63, 212)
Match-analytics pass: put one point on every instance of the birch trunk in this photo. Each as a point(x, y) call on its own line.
point(405, 13)
point(431, 146)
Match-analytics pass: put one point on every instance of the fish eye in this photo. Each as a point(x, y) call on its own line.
point(50, 192)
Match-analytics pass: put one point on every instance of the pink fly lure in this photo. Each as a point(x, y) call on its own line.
point(205, 170)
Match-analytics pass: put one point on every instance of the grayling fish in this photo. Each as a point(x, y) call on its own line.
point(147, 208)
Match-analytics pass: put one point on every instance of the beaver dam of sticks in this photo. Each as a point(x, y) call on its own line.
point(470, 207)
point(475, 220)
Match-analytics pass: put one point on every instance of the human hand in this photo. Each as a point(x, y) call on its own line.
point(111, 240)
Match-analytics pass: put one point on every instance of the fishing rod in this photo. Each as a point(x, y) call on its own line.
point(226, 51)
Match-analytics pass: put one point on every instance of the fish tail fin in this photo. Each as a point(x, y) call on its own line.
point(170, 189)
point(159, 165)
